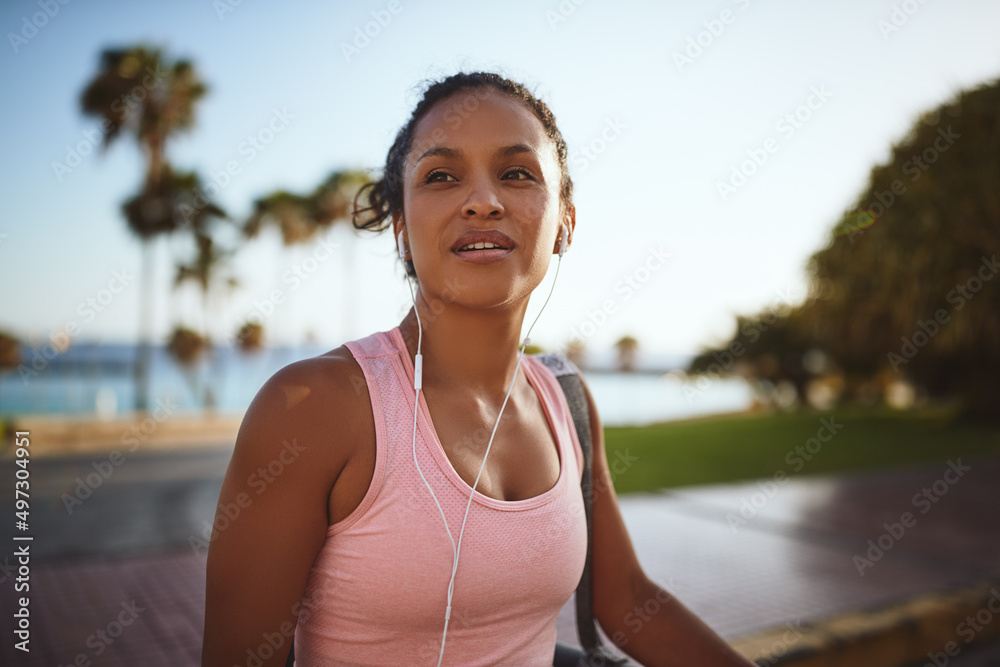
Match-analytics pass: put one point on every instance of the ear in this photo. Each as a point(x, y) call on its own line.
point(567, 220)
point(397, 225)
point(397, 228)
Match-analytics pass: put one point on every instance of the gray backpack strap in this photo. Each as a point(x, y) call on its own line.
point(569, 379)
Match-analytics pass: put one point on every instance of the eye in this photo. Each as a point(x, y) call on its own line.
point(438, 177)
point(518, 174)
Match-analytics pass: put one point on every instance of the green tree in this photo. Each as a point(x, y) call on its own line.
point(915, 293)
point(769, 345)
point(137, 91)
point(907, 286)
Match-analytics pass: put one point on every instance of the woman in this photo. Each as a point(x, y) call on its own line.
point(345, 544)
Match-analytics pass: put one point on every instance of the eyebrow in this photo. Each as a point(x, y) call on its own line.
point(456, 154)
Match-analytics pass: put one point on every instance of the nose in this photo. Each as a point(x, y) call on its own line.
point(483, 201)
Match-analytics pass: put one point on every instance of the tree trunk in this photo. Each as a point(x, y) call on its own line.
point(214, 370)
point(154, 171)
point(144, 354)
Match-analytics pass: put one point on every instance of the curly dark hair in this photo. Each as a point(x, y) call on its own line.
point(384, 196)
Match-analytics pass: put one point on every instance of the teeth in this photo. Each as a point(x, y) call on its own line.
point(480, 246)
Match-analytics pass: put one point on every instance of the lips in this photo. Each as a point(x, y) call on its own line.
point(483, 241)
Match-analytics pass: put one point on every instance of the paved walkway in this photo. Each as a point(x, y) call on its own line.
point(798, 553)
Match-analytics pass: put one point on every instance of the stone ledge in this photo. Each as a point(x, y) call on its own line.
point(912, 631)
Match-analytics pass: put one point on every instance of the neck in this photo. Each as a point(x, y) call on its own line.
point(473, 349)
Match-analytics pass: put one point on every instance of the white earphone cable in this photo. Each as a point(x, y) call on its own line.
point(418, 382)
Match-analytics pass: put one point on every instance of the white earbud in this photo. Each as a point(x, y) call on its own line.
point(563, 240)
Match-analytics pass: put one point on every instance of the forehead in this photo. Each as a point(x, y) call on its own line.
point(481, 118)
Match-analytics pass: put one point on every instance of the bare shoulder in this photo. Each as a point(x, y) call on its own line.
point(302, 428)
point(321, 401)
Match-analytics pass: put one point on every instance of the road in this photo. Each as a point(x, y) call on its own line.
point(87, 505)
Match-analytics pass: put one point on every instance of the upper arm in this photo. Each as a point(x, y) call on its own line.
point(271, 520)
point(618, 577)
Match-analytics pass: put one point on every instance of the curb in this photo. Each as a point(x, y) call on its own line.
point(931, 628)
point(53, 436)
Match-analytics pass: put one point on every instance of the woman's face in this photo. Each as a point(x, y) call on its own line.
point(481, 169)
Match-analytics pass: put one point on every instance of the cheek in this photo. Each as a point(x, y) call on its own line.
point(429, 209)
point(538, 204)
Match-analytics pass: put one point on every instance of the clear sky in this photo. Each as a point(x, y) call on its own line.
point(663, 132)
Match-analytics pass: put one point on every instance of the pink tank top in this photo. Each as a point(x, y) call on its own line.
point(377, 592)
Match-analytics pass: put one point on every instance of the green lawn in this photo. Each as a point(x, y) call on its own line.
point(735, 447)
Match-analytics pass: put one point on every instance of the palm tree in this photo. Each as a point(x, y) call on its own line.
point(137, 91)
point(250, 337)
point(626, 346)
point(187, 347)
point(201, 218)
point(300, 218)
point(205, 268)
